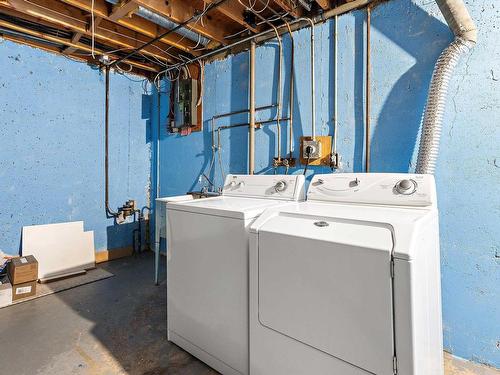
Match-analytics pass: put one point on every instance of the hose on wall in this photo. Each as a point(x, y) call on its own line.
point(462, 25)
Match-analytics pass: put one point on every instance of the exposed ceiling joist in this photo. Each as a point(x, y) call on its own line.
point(287, 6)
point(324, 4)
point(68, 42)
point(181, 10)
point(143, 32)
point(122, 9)
point(76, 38)
point(135, 23)
point(73, 19)
point(234, 10)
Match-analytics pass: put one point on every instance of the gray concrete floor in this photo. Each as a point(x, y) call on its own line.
point(112, 326)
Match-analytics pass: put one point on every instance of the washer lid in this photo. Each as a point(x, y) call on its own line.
point(326, 283)
point(233, 207)
point(405, 222)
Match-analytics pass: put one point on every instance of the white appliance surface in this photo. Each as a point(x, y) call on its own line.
point(207, 267)
point(348, 282)
point(161, 213)
point(226, 206)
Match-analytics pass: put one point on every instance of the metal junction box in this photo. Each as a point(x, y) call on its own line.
point(186, 98)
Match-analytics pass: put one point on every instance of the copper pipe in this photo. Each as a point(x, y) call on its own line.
point(109, 212)
point(367, 88)
point(291, 97)
point(279, 94)
point(269, 34)
point(251, 136)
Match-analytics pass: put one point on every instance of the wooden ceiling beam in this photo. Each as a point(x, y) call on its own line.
point(135, 23)
point(324, 4)
point(181, 10)
point(234, 10)
point(73, 19)
point(286, 6)
point(77, 36)
point(68, 42)
point(122, 9)
point(55, 50)
point(29, 42)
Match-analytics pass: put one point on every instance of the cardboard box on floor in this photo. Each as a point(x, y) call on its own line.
point(20, 291)
point(5, 291)
point(23, 275)
point(23, 270)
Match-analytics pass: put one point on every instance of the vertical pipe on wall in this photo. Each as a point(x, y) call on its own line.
point(251, 137)
point(291, 97)
point(109, 211)
point(157, 192)
point(313, 83)
point(367, 88)
point(334, 156)
point(279, 93)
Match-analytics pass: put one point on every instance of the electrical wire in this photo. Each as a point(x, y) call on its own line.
point(202, 77)
point(123, 70)
point(208, 8)
point(251, 6)
point(270, 19)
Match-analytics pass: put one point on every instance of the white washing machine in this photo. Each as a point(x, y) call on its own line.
point(207, 267)
point(348, 282)
point(161, 224)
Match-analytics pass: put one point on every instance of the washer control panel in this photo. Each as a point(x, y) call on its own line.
point(374, 188)
point(285, 187)
point(406, 186)
point(281, 186)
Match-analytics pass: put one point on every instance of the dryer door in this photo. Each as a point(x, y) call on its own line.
point(327, 283)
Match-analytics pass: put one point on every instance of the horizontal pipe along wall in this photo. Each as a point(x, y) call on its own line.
point(52, 145)
point(407, 38)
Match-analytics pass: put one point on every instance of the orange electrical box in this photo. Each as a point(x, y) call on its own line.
point(324, 151)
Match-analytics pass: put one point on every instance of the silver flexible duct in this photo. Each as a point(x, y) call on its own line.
point(167, 24)
point(465, 31)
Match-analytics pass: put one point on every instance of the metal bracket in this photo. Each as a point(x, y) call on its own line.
point(284, 162)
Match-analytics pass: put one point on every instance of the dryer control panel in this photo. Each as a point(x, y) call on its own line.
point(398, 189)
point(285, 187)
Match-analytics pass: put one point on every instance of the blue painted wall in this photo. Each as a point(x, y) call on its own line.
point(52, 145)
point(408, 36)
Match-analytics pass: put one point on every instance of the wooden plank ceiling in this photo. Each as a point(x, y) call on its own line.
point(99, 31)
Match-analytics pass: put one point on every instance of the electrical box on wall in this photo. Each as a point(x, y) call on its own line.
point(319, 150)
point(185, 113)
point(186, 99)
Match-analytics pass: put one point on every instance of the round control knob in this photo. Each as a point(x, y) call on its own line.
point(280, 186)
point(406, 187)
